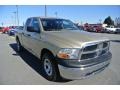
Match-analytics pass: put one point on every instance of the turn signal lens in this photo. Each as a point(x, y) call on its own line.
point(63, 55)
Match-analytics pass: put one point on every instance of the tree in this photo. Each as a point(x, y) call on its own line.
point(109, 21)
point(117, 21)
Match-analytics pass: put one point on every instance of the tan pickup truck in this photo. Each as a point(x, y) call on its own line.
point(63, 49)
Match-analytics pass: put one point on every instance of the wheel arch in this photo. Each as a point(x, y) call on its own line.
point(54, 62)
point(45, 50)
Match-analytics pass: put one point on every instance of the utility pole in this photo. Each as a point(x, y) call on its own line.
point(12, 21)
point(17, 15)
point(2, 24)
point(56, 14)
point(45, 11)
point(116, 21)
point(100, 20)
point(15, 18)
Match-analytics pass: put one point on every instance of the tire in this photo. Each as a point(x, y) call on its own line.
point(19, 46)
point(49, 67)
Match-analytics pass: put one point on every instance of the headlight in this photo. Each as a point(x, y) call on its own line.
point(69, 53)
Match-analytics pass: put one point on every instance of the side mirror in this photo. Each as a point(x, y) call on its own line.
point(30, 29)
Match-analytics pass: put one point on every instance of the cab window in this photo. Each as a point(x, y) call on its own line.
point(28, 22)
point(35, 25)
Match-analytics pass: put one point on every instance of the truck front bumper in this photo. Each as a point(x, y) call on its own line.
point(83, 72)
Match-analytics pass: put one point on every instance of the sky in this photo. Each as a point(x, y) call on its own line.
point(76, 13)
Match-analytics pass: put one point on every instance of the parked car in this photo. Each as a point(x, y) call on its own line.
point(11, 32)
point(14, 29)
point(97, 28)
point(88, 28)
point(112, 29)
point(5, 29)
point(117, 30)
point(63, 49)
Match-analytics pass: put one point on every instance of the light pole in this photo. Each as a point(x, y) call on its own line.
point(56, 14)
point(17, 15)
point(12, 21)
point(2, 24)
point(100, 20)
point(15, 18)
point(45, 11)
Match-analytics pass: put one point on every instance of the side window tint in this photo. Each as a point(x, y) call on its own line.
point(66, 24)
point(35, 25)
point(28, 22)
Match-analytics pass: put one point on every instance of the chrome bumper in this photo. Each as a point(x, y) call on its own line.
point(79, 73)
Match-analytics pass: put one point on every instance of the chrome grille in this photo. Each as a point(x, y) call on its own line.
point(105, 44)
point(90, 48)
point(103, 52)
point(94, 50)
point(88, 55)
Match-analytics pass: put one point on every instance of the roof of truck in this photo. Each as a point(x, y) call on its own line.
point(46, 17)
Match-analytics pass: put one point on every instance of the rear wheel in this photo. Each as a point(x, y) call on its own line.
point(19, 47)
point(50, 67)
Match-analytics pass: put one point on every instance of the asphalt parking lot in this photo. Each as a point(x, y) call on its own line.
point(25, 69)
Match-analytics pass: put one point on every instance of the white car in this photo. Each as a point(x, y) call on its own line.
point(112, 29)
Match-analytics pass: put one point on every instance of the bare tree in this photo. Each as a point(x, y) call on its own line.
point(117, 21)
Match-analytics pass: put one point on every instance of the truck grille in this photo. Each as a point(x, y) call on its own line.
point(90, 48)
point(105, 44)
point(88, 55)
point(94, 50)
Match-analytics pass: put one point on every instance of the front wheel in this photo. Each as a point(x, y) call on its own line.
point(50, 67)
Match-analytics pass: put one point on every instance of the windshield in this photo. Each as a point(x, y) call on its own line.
point(57, 24)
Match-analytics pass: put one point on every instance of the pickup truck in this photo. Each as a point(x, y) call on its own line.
point(64, 50)
point(112, 29)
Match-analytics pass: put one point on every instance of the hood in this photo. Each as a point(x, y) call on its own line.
point(71, 38)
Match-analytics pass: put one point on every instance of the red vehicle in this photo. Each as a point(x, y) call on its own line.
point(97, 27)
point(5, 29)
point(87, 27)
point(93, 27)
